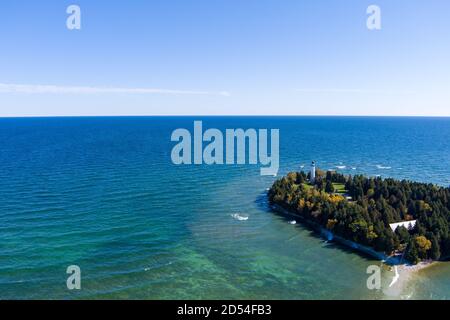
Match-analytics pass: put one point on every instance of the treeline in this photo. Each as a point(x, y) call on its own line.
point(363, 211)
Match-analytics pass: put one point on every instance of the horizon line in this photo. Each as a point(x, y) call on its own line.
point(223, 115)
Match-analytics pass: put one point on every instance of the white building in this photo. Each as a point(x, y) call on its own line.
point(409, 225)
point(313, 172)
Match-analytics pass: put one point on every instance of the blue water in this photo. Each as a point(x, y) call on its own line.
point(103, 194)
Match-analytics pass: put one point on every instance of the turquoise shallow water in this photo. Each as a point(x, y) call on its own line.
point(103, 194)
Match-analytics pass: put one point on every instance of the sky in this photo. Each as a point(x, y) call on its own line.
point(224, 57)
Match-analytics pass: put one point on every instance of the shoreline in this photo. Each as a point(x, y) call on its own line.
point(332, 237)
point(404, 271)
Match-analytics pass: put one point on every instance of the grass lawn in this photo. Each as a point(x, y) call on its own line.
point(307, 186)
point(339, 187)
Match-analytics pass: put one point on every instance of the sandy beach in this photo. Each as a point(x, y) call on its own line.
point(403, 274)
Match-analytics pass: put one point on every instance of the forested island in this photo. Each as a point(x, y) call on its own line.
point(364, 209)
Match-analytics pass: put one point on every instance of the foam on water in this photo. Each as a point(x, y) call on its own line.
point(237, 216)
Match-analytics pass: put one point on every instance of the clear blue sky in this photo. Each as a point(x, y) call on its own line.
point(288, 57)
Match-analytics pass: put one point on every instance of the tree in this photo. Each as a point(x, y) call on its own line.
point(319, 183)
point(320, 173)
point(300, 178)
point(329, 176)
point(385, 242)
point(403, 234)
point(423, 245)
point(331, 223)
point(329, 187)
point(374, 204)
point(435, 253)
point(412, 253)
point(446, 247)
point(292, 176)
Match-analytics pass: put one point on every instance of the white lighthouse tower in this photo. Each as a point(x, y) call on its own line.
point(313, 172)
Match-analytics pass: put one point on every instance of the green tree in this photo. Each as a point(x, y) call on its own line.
point(329, 187)
point(412, 253)
point(403, 234)
point(374, 204)
point(435, 253)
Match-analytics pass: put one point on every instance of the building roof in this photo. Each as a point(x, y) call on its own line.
point(407, 224)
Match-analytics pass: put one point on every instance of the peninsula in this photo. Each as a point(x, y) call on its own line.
point(403, 219)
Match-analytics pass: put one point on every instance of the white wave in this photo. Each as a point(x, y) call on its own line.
point(292, 222)
point(341, 167)
point(238, 217)
point(379, 166)
point(354, 168)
